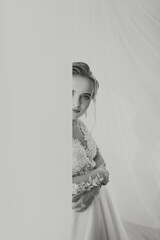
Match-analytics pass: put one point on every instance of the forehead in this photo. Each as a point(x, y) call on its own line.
point(82, 84)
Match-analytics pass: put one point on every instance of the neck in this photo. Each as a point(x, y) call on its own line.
point(74, 122)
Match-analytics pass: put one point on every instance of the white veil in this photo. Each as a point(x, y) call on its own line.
point(120, 40)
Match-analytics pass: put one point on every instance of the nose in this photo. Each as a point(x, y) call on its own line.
point(76, 102)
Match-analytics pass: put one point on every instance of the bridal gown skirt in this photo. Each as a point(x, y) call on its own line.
point(99, 222)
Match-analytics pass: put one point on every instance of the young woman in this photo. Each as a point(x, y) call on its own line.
point(94, 216)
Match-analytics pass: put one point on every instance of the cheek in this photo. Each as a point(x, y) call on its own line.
point(86, 105)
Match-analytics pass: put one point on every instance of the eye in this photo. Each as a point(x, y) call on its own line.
point(86, 97)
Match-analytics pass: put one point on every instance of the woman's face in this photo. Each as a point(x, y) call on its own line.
point(82, 92)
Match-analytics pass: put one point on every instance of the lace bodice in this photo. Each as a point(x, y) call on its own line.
point(82, 157)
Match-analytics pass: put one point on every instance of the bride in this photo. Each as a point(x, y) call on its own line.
point(94, 216)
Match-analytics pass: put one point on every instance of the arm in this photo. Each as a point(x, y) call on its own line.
point(79, 178)
point(99, 163)
point(83, 183)
point(81, 203)
point(99, 159)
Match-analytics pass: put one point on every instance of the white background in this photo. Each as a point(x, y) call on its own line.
point(35, 120)
point(40, 39)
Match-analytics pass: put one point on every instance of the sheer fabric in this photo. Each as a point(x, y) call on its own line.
point(120, 40)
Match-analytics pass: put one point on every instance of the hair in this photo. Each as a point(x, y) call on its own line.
point(82, 69)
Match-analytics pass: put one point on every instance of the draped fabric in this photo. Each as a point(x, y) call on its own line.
point(120, 40)
point(35, 120)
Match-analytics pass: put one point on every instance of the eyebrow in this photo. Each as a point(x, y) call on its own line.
point(84, 93)
point(88, 94)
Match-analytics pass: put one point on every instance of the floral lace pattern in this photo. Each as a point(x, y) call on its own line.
point(86, 186)
point(82, 157)
point(91, 150)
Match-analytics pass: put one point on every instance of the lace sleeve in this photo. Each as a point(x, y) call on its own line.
point(86, 186)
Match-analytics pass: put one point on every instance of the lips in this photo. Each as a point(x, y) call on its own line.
point(76, 110)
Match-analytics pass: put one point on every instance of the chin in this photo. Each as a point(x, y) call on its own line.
point(76, 117)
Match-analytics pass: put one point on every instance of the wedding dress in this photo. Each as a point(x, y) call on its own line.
point(101, 220)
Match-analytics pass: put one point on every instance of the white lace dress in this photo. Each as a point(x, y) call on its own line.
point(100, 221)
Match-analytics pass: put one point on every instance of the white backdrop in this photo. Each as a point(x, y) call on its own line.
point(120, 40)
point(35, 120)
